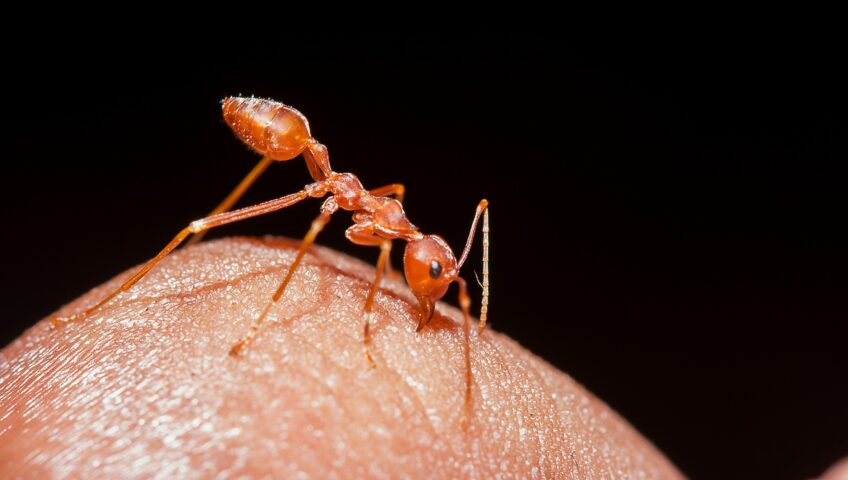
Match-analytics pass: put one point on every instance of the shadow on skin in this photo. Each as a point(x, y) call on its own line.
point(145, 387)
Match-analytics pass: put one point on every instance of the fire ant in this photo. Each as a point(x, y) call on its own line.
point(281, 133)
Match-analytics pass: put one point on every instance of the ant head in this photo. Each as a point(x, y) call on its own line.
point(271, 128)
point(430, 267)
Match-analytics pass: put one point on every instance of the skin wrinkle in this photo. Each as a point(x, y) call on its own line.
point(194, 293)
point(343, 406)
point(323, 355)
point(145, 388)
point(402, 383)
point(412, 394)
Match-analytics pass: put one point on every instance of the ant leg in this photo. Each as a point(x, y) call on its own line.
point(364, 234)
point(465, 304)
point(198, 226)
point(398, 190)
point(385, 249)
point(234, 196)
point(316, 227)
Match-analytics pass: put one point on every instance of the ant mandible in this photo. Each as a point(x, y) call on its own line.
point(281, 133)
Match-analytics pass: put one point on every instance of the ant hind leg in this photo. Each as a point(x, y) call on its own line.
point(236, 194)
point(196, 226)
point(317, 225)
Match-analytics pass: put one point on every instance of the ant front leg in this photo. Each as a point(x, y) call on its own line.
point(363, 234)
point(198, 226)
point(382, 262)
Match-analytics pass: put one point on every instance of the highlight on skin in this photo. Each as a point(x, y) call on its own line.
point(146, 388)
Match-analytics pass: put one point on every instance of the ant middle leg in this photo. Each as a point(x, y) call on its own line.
point(318, 224)
point(368, 309)
point(197, 226)
point(465, 304)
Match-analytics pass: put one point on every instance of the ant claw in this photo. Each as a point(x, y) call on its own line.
point(236, 349)
point(371, 363)
point(463, 422)
point(56, 321)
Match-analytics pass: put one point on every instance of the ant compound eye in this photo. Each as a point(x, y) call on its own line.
point(435, 269)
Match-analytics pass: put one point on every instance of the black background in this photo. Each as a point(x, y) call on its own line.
point(668, 221)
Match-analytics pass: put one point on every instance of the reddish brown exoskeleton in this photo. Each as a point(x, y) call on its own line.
point(281, 133)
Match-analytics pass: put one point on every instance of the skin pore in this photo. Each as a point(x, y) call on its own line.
point(146, 388)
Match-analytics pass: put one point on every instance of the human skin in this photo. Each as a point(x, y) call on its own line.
point(145, 387)
point(837, 472)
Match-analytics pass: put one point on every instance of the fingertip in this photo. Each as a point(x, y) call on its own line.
point(162, 389)
point(839, 471)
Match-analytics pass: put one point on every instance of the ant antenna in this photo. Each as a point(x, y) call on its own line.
point(482, 209)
